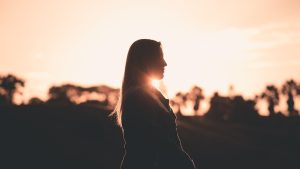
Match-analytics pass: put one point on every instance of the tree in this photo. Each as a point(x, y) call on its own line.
point(196, 95)
point(243, 110)
point(9, 86)
point(290, 89)
point(271, 94)
point(35, 101)
point(220, 108)
point(63, 94)
point(73, 94)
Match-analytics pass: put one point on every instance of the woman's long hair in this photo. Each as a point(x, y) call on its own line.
point(139, 56)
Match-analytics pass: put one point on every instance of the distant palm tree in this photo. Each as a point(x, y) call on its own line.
point(10, 85)
point(196, 95)
point(271, 94)
point(290, 88)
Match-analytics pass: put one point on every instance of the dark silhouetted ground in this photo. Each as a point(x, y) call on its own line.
point(56, 137)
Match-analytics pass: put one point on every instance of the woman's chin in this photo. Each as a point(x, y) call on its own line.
point(159, 77)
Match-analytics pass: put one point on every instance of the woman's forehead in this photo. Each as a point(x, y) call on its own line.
point(161, 53)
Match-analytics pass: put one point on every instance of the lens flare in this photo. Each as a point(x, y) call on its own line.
point(155, 83)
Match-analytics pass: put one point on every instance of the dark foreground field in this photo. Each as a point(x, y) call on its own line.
point(57, 137)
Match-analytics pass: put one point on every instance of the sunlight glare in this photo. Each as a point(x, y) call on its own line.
point(155, 83)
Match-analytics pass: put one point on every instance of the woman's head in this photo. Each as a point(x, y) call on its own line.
point(144, 62)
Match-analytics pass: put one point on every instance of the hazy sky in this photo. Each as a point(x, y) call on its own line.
point(211, 43)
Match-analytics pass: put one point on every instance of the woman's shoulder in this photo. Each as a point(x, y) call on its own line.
point(138, 93)
point(138, 103)
point(140, 96)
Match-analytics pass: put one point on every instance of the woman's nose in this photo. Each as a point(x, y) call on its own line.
point(165, 63)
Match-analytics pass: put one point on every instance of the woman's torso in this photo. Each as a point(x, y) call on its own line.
point(151, 140)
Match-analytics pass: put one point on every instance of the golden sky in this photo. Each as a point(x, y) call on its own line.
point(211, 43)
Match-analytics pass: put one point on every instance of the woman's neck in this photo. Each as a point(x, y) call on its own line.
point(146, 82)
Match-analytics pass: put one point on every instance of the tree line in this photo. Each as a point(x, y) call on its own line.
point(221, 107)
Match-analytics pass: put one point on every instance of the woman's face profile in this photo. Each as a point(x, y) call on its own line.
point(157, 66)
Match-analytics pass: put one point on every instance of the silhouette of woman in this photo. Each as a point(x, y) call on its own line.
point(148, 122)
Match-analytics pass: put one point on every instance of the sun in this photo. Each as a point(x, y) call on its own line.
point(155, 83)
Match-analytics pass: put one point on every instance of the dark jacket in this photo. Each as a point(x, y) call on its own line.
point(150, 133)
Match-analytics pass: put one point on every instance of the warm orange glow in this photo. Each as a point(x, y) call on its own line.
point(209, 43)
point(155, 83)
